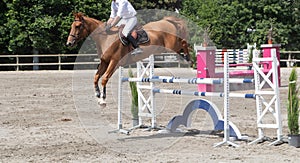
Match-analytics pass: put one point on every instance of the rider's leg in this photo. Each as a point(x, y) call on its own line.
point(130, 24)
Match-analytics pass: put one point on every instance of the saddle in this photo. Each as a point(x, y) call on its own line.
point(138, 33)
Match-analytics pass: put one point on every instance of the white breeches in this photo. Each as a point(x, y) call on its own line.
point(130, 23)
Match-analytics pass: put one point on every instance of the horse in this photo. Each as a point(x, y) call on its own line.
point(168, 34)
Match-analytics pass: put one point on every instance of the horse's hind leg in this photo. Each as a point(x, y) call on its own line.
point(101, 69)
point(186, 53)
point(185, 48)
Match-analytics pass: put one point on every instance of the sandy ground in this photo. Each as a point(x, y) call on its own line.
point(51, 116)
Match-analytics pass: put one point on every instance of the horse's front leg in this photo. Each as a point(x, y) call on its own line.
point(98, 93)
point(102, 97)
point(96, 86)
point(101, 69)
point(108, 73)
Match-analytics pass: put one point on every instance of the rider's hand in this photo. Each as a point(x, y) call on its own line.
point(107, 27)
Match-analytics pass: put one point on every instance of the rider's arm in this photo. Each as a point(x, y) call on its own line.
point(113, 13)
point(110, 20)
point(115, 21)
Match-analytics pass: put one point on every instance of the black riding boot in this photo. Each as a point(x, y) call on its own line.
point(137, 49)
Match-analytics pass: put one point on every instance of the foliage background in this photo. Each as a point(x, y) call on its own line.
point(28, 26)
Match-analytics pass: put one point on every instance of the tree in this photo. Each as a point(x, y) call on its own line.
point(294, 39)
point(230, 21)
point(31, 27)
point(3, 31)
point(43, 26)
point(169, 5)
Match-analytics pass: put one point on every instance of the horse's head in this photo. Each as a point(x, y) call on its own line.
point(78, 30)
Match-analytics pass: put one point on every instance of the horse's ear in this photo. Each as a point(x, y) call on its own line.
point(74, 14)
point(80, 15)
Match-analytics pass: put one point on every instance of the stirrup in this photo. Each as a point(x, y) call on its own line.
point(137, 51)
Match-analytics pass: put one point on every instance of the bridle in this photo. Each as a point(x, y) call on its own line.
point(76, 36)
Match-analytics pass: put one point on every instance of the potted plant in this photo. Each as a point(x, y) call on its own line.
point(269, 36)
point(293, 110)
point(134, 101)
point(206, 35)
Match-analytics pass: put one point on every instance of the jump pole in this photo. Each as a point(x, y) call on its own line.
point(196, 93)
point(172, 79)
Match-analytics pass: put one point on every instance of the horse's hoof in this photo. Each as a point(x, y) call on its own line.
point(101, 102)
point(97, 95)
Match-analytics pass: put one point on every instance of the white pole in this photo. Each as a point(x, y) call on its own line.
point(138, 85)
point(258, 101)
point(277, 102)
point(120, 98)
point(226, 104)
point(152, 85)
point(171, 79)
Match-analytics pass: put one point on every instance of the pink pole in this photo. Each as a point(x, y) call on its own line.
point(266, 48)
point(205, 66)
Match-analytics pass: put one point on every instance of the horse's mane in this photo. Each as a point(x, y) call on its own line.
point(78, 15)
point(179, 24)
point(81, 16)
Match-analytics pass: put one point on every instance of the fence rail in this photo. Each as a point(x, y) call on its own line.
point(59, 61)
point(169, 59)
point(291, 59)
point(17, 61)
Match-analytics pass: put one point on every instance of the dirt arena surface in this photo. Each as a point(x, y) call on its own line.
point(52, 116)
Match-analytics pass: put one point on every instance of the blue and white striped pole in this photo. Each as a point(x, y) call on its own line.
point(186, 80)
point(195, 93)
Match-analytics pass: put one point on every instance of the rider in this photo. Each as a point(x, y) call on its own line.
point(123, 11)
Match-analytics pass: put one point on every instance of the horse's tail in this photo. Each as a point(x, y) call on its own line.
point(179, 24)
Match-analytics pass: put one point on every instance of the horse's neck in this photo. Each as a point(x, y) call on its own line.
point(92, 24)
point(96, 31)
point(104, 40)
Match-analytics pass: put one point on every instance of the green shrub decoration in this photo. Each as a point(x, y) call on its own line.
point(250, 57)
point(134, 95)
point(293, 104)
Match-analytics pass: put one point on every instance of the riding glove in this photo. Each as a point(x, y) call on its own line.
point(107, 27)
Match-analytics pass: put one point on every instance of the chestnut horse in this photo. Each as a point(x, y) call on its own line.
point(166, 34)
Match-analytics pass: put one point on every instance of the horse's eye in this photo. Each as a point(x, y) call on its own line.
point(77, 26)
